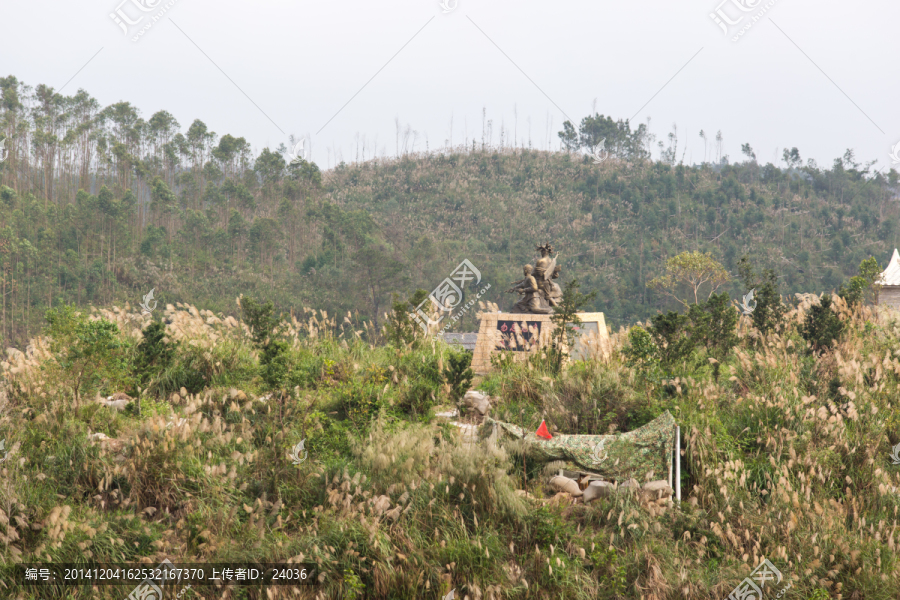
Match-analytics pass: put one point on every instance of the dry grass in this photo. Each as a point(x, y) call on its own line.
point(785, 458)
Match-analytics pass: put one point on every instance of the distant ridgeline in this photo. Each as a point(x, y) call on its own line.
point(100, 205)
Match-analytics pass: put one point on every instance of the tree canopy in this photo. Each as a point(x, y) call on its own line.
point(693, 269)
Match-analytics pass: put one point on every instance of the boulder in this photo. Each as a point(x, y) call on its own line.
point(656, 490)
point(478, 401)
point(597, 489)
point(116, 404)
point(562, 499)
point(106, 442)
point(629, 487)
point(564, 484)
point(524, 494)
point(118, 401)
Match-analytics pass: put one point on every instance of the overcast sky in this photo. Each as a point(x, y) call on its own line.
point(822, 76)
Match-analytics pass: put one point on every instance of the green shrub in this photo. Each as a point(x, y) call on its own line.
point(401, 330)
point(275, 364)
point(671, 335)
point(265, 329)
point(421, 382)
point(770, 310)
point(359, 401)
point(260, 318)
point(353, 584)
point(89, 353)
point(640, 349)
point(610, 570)
point(153, 356)
point(195, 368)
point(713, 325)
point(822, 326)
point(862, 287)
point(458, 374)
point(306, 368)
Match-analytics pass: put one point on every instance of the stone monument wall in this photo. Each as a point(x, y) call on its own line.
point(524, 334)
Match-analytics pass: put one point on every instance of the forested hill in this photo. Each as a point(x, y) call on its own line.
point(100, 205)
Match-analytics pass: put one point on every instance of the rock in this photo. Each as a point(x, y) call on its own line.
point(116, 404)
point(597, 489)
point(629, 486)
point(564, 484)
point(562, 498)
point(106, 442)
point(655, 490)
point(117, 401)
point(478, 401)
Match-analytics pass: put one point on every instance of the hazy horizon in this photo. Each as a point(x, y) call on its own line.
point(356, 77)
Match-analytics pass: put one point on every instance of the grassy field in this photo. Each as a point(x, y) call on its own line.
point(786, 457)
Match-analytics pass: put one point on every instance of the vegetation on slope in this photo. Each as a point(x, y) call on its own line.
point(99, 205)
point(787, 438)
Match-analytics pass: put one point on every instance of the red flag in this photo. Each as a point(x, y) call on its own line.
point(542, 431)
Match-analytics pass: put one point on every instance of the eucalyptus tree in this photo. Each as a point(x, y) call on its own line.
point(161, 131)
point(47, 115)
point(121, 119)
point(269, 168)
point(200, 142)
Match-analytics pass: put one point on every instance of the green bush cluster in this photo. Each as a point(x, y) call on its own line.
point(457, 374)
point(822, 327)
point(90, 353)
point(769, 311)
point(673, 339)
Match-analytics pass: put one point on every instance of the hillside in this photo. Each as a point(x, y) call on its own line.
point(100, 205)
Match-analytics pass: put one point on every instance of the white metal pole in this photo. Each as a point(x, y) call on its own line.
point(672, 449)
point(678, 464)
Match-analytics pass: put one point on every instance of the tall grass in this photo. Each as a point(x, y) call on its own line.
point(785, 458)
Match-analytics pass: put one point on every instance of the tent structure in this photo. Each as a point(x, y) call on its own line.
point(889, 294)
point(650, 448)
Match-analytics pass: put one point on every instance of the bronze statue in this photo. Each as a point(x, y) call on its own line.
point(538, 290)
point(522, 283)
point(551, 290)
point(545, 264)
point(532, 299)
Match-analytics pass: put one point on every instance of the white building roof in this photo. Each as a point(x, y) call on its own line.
point(891, 275)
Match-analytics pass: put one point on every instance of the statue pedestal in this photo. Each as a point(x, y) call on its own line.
point(524, 334)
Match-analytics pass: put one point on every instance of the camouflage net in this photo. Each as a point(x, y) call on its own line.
point(616, 457)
